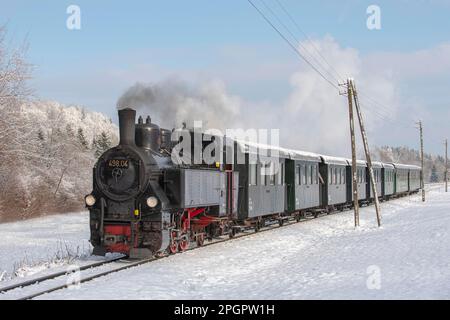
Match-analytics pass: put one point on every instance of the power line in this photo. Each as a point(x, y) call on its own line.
point(292, 46)
point(298, 41)
point(384, 116)
point(308, 38)
point(369, 102)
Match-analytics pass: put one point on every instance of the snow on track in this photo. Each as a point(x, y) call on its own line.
point(324, 258)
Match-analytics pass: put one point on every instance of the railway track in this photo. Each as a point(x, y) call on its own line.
point(121, 265)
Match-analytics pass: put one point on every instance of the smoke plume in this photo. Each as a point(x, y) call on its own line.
point(172, 102)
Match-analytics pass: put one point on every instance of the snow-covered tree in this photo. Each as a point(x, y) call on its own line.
point(82, 138)
point(102, 143)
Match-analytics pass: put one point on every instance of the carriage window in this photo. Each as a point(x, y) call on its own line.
point(311, 174)
point(314, 174)
point(329, 175)
point(263, 171)
point(304, 174)
point(305, 178)
point(252, 181)
point(343, 175)
point(297, 175)
point(280, 174)
point(317, 174)
point(336, 176)
point(271, 179)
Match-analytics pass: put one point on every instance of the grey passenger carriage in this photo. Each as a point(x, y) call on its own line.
point(302, 181)
point(401, 178)
point(333, 172)
point(361, 167)
point(414, 178)
point(377, 175)
point(388, 174)
point(261, 180)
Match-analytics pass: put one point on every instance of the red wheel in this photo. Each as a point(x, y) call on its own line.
point(183, 245)
point(173, 247)
point(200, 239)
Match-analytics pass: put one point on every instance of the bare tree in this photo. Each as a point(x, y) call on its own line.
point(14, 73)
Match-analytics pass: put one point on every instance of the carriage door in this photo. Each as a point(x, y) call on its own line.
point(223, 193)
point(232, 192)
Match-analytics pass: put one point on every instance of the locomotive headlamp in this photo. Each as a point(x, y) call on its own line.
point(152, 202)
point(90, 200)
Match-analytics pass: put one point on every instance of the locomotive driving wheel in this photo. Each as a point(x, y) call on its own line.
point(200, 239)
point(183, 245)
point(173, 246)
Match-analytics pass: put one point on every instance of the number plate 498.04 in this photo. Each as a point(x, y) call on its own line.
point(118, 163)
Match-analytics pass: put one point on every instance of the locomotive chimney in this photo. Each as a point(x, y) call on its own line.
point(127, 126)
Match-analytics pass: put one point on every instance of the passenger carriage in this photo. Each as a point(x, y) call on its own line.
point(262, 190)
point(401, 185)
point(361, 167)
point(414, 178)
point(377, 168)
point(388, 180)
point(302, 181)
point(333, 172)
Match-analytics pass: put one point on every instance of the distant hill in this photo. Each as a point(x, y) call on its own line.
point(47, 168)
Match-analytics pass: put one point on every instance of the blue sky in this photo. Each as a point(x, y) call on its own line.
point(123, 42)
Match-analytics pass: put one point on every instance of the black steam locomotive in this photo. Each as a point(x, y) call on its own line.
point(146, 201)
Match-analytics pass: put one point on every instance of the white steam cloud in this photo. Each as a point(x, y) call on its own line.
point(313, 117)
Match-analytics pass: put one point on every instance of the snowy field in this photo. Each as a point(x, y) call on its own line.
point(36, 245)
point(325, 258)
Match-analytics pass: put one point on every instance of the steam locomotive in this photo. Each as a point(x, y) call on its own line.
point(146, 201)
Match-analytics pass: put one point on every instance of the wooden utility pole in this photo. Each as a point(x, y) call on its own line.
point(422, 184)
point(446, 166)
point(367, 152)
point(352, 134)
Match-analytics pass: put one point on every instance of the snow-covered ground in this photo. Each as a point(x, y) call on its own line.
point(32, 246)
point(325, 258)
